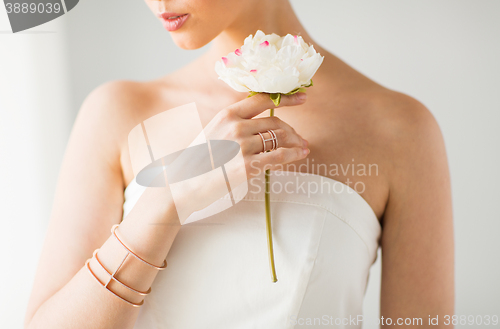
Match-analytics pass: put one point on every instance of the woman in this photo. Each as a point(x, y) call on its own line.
point(216, 274)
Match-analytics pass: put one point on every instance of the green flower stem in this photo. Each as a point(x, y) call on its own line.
point(276, 98)
point(269, 231)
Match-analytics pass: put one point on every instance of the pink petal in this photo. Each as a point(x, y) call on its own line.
point(296, 40)
point(253, 71)
point(225, 60)
point(264, 44)
point(238, 52)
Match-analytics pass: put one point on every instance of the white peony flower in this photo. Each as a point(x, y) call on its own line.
point(275, 65)
point(271, 64)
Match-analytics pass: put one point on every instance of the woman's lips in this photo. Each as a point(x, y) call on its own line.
point(173, 21)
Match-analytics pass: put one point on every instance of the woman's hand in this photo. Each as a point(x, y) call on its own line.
point(237, 123)
point(193, 188)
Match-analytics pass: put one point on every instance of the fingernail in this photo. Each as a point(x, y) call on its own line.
point(301, 96)
point(306, 151)
point(305, 143)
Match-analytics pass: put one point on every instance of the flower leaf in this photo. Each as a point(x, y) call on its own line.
point(300, 89)
point(296, 90)
point(276, 98)
point(251, 93)
point(293, 91)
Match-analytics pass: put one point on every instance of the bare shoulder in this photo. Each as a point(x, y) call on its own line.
point(400, 127)
point(401, 135)
point(120, 101)
point(418, 219)
point(402, 116)
point(407, 128)
point(392, 117)
point(112, 109)
point(389, 119)
point(411, 152)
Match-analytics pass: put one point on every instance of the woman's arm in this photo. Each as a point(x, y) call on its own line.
point(89, 202)
point(417, 240)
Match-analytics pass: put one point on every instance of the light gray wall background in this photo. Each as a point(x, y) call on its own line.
point(444, 53)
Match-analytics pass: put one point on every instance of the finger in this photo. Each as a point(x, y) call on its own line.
point(281, 156)
point(252, 106)
point(256, 125)
point(284, 139)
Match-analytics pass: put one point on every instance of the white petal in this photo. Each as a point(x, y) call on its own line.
point(233, 84)
point(250, 82)
point(277, 81)
point(308, 68)
point(287, 40)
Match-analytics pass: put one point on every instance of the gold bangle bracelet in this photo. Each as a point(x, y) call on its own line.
point(162, 267)
point(112, 275)
point(102, 284)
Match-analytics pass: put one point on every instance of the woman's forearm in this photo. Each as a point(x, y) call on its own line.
point(84, 303)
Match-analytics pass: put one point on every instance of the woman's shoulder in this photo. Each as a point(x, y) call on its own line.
point(404, 121)
point(124, 99)
point(396, 132)
point(403, 130)
point(114, 108)
point(372, 107)
point(376, 108)
point(395, 113)
point(118, 106)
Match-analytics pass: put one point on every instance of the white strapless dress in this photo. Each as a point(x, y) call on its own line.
point(218, 273)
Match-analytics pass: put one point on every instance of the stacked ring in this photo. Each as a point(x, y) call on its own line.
point(273, 139)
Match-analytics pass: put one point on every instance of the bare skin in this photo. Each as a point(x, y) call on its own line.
point(346, 116)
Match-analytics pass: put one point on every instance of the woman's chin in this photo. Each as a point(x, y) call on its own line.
point(186, 41)
point(187, 44)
